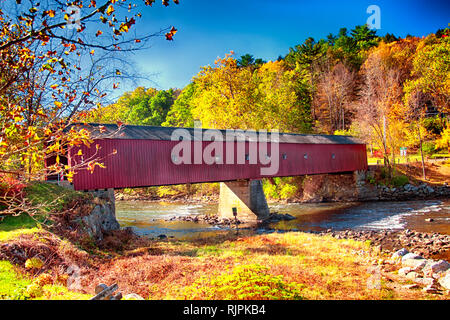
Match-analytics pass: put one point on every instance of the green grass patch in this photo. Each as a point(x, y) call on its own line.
point(12, 227)
point(56, 292)
point(399, 181)
point(244, 282)
point(13, 286)
point(50, 196)
point(209, 250)
point(440, 155)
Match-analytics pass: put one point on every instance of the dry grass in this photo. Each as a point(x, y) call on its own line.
point(436, 172)
point(281, 266)
point(326, 268)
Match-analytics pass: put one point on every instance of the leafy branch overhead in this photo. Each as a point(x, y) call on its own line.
point(58, 60)
point(39, 22)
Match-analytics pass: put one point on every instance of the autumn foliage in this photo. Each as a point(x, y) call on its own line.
point(57, 61)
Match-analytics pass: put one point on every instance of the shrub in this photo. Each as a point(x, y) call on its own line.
point(399, 181)
point(35, 290)
point(34, 263)
point(288, 191)
point(428, 147)
point(384, 173)
point(245, 282)
point(270, 190)
point(280, 188)
point(206, 189)
point(371, 180)
point(167, 191)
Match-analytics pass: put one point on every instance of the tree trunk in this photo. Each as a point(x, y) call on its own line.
point(421, 154)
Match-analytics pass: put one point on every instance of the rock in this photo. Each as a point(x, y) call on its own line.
point(445, 281)
point(411, 286)
point(430, 289)
point(407, 187)
point(288, 217)
point(132, 296)
point(425, 281)
point(436, 267)
point(415, 264)
point(412, 276)
point(399, 253)
point(162, 236)
point(101, 219)
point(404, 271)
point(411, 256)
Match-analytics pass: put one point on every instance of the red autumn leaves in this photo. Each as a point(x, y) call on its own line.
point(171, 33)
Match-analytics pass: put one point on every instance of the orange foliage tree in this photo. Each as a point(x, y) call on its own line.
point(59, 59)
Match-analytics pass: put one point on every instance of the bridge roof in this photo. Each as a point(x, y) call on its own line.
point(133, 132)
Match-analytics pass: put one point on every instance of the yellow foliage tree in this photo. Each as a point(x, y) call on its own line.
point(269, 97)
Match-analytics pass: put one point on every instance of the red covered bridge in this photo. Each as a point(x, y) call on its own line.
point(141, 156)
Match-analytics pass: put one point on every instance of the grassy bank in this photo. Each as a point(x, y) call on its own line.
point(38, 264)
point(28, 280)
point(274, 266)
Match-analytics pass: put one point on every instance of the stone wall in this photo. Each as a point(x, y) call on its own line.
point(354, 187)
point(102, 218)
point(372, 192)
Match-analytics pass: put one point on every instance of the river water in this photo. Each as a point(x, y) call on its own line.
point(149, 218)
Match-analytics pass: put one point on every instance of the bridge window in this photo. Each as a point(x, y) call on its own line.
point(284, 156)
point(247, 157)
point(305, 156)
point(267, 157)
point(333, 156)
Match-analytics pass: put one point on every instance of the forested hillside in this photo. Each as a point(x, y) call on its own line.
point(391, 92)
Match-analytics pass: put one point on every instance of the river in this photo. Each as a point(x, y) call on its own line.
point(149, 218)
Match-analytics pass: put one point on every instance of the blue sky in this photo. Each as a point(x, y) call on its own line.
point(265, 28)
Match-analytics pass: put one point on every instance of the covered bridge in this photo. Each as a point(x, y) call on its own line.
point(141, 156)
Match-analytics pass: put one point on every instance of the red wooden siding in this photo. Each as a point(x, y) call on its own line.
point(140, 163)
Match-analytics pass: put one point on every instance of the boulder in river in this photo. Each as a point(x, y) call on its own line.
point(404, 271)
point(445, 281)
point(416, 264)
point(412, 256)
point(399, 253)
point(436, 267)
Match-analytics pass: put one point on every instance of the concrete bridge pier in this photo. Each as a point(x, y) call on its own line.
point(245, 195)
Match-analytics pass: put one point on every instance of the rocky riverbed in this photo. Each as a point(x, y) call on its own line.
point(428, 245)
point(433, 276)
point(225, 222)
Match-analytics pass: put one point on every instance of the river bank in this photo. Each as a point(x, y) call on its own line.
point(422, 226)
point(370, 185)
point(62, 263)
